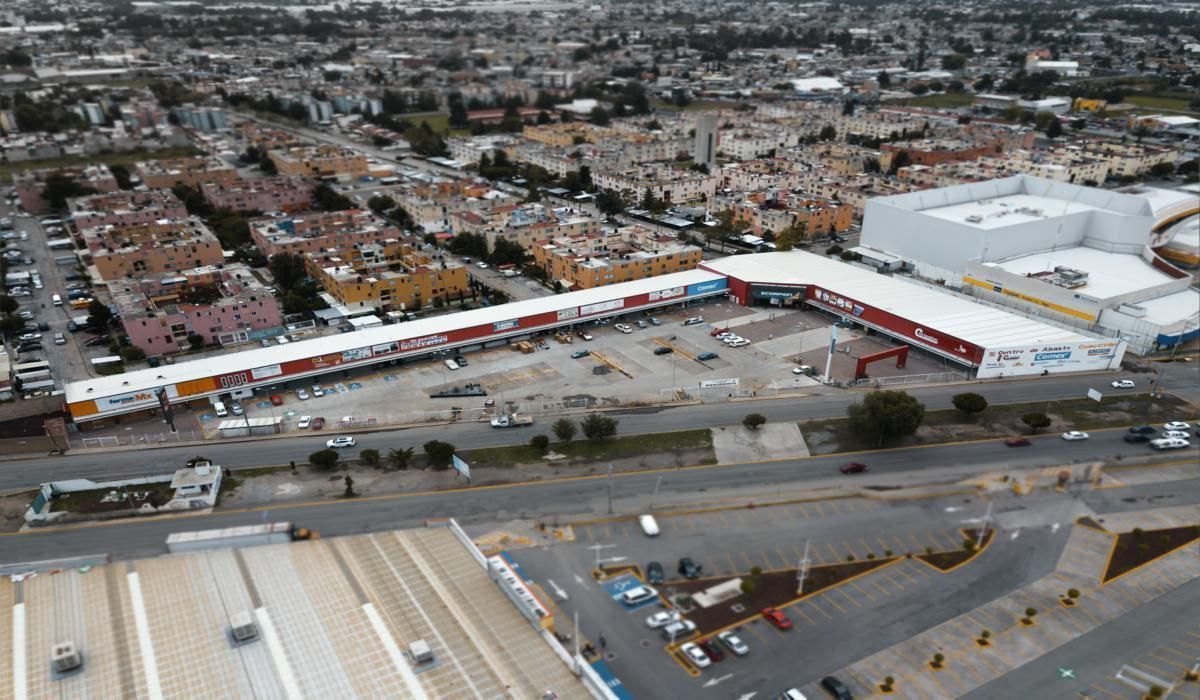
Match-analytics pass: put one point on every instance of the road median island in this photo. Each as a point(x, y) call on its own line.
point(1138, 548)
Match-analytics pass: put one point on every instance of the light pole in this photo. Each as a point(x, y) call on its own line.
point(802, 570)
point(610, 510)
point(987, 518)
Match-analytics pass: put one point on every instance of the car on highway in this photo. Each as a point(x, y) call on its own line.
point(777, 617)
point(579, 354)
point(734, 643)
point(688, 568)
point(305, 421)
point(1133, 438)
point(711, 648)
point(663, 350)
point(696, 655)
point(302, 394)
point(1075, 435)
point(706, 356)
point(1123, 384)
point(853, 468)
point(1183, 434)
point(1143, 429)
point(836, 688)
point(1169, 444)
point(1017, 442)
point(1176, 425)
point(654, 572)
point(340, 442)
point(661, 619)
point(638, 594)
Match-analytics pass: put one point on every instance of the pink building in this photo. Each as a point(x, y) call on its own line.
point(29, 185)
point(221, 305)
point(125, 208)
point(312, 232)
point(171, 245)
point(267, 194)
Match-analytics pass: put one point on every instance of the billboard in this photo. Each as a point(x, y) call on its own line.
point(602, 307)
point(127, 401)
point(568, 314)
point(505, 325)
point(1018, 360)
point(460, 466)
point(266, 372)
point(702, 287)
point(666, 293)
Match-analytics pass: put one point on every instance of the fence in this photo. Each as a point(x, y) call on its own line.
point(135, 439)
point(904, 379)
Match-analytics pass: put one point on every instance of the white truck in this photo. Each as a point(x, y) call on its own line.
point(244, 536)
point(512, 420)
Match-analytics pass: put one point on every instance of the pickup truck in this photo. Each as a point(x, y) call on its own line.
point(512, 421)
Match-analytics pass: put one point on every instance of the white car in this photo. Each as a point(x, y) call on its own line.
point(1075, 435)
point(638, 594)
point(723, 335)
point(696, 655)
point(623, 328)
point(662, 619)
point(1123, 384)
point(731, 338)
point(305, 421)
point(1176, 425)
point(1169, 444)
point(739, 343)
point(302, 394)
point(344, 441)
point(481, 265)
point(734, 643)
point(1181, 434)
point(29, 336)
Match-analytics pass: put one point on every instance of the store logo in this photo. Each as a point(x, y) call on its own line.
point(920, 333)
point(1045, 356)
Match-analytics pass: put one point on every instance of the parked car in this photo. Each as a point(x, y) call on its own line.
point(60, 339)
point(43, 326)
point(305, 421)
point(678, 630)
point(706, 356)
point(836, 688)
point(481, 265)
point(654, 573)
point(640, 323)
point(460, 360)
point(696, 655)
point(29, 336)
point(734, 643)
point(739, 343)
point(624, 328)
point(237, 409)
point(26, 347)
point(317, 390)
point(661, 619)
point(663, 350)
point(276, 400)
point(1176, 425)
point(302, 394)
point(793, 694)
point(688, 568)
point(579, 354)
point(804, 369)
point(655, 322)
point(583, 335)
point(318, 423)
point(853, 468)
point(339, 442)
point(694, 320)
point(25, 314)
point(1017, 442)
point(777, 617)
point(712, 649)
point(1123, 384)
point(1075, 435)
point(638, 594)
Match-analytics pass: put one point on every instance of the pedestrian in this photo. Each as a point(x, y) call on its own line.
point(603, 642)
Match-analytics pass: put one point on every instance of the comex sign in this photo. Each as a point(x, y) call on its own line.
point(1036, 359)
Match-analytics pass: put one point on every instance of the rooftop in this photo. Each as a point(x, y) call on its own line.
point(1007, 210)
point(1109, 274)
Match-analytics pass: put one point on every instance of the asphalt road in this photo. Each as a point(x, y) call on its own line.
point(234, 454)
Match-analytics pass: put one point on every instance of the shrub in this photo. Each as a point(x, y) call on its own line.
point(748, 586)
point(969, 402)
point(1036, 421)
point(985, 634)
point(370, 457)
point(324, 459)
point(1030, 612)
point(541, 443)
point(754, 421)
point(564, 429)
point(756, 571)
point(1072, 593)
point(438, 453)
point(598, 427)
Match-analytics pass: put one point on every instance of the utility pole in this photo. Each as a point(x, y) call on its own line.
point(610, 510)
point(802, 570)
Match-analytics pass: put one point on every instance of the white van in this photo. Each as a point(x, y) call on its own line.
point(649, 525)
point(450, 364)
point(57, 299)
point(220, 410)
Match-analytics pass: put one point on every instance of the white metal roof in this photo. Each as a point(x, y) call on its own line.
point(1109, 274)
point(980, 325)
point(261, 357)
point(1007, 210)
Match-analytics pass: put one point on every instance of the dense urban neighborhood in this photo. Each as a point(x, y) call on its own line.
point(559, 349)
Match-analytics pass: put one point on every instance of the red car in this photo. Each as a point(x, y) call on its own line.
point(853, 468)
point(777, 618)
point(713, 649)
point(318, 423)
point(276, 400)
point(1017, 442)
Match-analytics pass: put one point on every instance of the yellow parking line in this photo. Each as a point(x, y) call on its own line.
point(886, 576)
point(851, 599)
point(829, 599)
point(588, 534)
point(1171, 663)
point(749, 562)
point(834, 506)
point(820, 510)
point(741, 517)
point(803, 614)
point(803, 511)
point(813, 602)
point(882, 545)
point(1121, 589)
point(1107, 692)
point(767, 559)
point(900, 570)
point(608, 531)
point(787, 563)
point(754, 630)
point(724, 518)
point(1188, 658)
point(836, 556)
point(732, 567)
point(916, 541)
point(883, 591)
point(853, 674)
point(863, 591)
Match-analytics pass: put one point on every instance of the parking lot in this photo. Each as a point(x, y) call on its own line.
point(865, 613)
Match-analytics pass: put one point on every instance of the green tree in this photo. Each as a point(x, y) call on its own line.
point(1054, 129)
point(828, 133)
point(969, 402)
point(8, 304)
point(58, 187)
point(1036, 421)
point(610, 203)
point(754, 421)
point(886, 414)
point(400, 458)
point(598, 427)
point(329, 199)
point(349, 492)
point(370, 457)
point(600, 116)
point(438, 453)
point(790, 236)
point(381, 203)
point(287, 269)
point(99, 316)
point(564, 429)
point(324, 459)
point(541, 443)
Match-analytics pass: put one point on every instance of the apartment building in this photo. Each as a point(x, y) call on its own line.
point(613, 256)
point(226, 305)
point(430, 202)
point(310, 232)
point(266, 194)
point(763, 174)
point(125, 208)
point(855, 191)
point(774, 211)
point(30, 184)
point(568, 134)
point(934, 151)
point(193, 172)
point(387, 275)
point(664, 182)
point(1128, 159)
point(136, 250)
point(880, 125)
point(320, 161)
point(524, 224)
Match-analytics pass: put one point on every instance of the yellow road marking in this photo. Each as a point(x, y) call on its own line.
point(849, 598)
point(862, 590)
point(813, 602)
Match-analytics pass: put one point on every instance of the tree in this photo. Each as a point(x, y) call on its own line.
point(790, 236)
point(883, 79)
point(600, 116)
point(400, 458)
point(287, 269)
point(1162, 169)
point(610, 203)
point(99, 316)
point(541, 443)
point(564, 429)
point(329, 199)
point(888, 414)
point(754, 421)
point(969, 402)
point(1036, 421)
point(349, 492)
point(438, 453)
point(1054, 129)
point(370, 457)
point(59, 187)
point(8, 304)
point(828, 133)
point(954, 61)
point(381, 203)
point(324, 459)
point(598, 427)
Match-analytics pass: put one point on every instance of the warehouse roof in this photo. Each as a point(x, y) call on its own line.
point(263, 357)
point(1109, 274)
point(962, 318)
point(334, 617)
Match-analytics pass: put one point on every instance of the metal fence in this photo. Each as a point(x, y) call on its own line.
point(905, 379)
point(136, 439)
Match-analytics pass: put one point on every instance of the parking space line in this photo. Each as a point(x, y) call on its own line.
point(787, 563)
point(900, 570)
point(724, 518)
point(588, 534)
point(803, 614)
point(749, 562)
point(754, 631)
point(916, 541)
point(1169, 662)
point(1121, 589)
point(846, 595)
point(624, 528)
point(829, 599)
point(803, 511)
point(608, 531)
point(813, 602)
point(1107, 692)
point(883, 546)
point(1149, 668)
point(862, 590)
point(1095, 620)
point(732, 567)
point(1187, 658)
point(882, 591)
point(766, 559)
point(867, 548)
point(836, 556)
point(741, 517)
point(890, 578)
point(853, 674)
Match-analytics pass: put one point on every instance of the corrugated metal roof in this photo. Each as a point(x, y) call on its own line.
point(974, 323)
point(261, 357)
